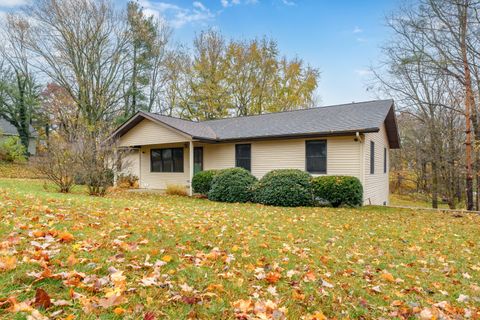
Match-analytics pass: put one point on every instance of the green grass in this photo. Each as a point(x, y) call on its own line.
point(215, 255)
point(414, 201)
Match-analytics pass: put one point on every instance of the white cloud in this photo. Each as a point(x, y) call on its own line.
point(230, 3)
point(199, 5)
point(175, 15)
point(12, 3)
point(289, 2)
point(360, 39)
point(357, 30)
point(363, 72)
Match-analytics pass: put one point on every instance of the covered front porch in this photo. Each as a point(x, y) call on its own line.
point(160, 165)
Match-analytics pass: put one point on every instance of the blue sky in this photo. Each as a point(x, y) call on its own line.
point(341, 38)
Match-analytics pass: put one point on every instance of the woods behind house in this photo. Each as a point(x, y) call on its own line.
point(430, 67)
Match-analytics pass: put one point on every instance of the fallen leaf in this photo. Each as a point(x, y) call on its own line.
point(167, 258)
point(42, 299)
point(388, 277)
point(8, 263)
point(119, 311)
point(65, 237)
point(273, 277)
point(326, 284)
point(111, 301)
point(149, 316)
point(463, 298)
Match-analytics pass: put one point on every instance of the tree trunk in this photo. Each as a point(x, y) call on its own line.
point(434, 185)
point(469, 104)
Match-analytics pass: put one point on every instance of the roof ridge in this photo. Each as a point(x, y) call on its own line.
point(269, 113)
point(298, 110)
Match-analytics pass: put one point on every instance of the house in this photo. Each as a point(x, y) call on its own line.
point(8, 130)
point(350, 139)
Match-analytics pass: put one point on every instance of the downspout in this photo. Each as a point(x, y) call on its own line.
point(362, 161)
point(140, 167)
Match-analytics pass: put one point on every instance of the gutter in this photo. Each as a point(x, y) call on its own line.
point(293, 136)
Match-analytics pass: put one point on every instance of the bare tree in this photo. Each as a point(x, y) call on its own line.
point(81, 46)
point(443, 34)
point(18, 90)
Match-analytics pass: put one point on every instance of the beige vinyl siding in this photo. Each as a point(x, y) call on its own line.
point(277, 154)
point(160, 180)
point(343, 155)
point(376, 187)
point(131, 162)
point(148, 132)
point(218, 156)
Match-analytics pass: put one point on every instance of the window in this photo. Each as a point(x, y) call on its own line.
point(372, 157)
point(197, 159)
point(166, 160)
point(243, 156)
point(316, 156)
point(384, 160)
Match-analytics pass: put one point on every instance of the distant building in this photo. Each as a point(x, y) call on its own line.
point(8, 130)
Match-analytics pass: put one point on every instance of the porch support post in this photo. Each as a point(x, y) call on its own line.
point(115, 166)
point(190, 159)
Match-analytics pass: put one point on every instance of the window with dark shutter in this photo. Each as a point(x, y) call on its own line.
point(384, 160)
point(372, 157)
point(197, 159)
point(166, 160)
point(243, 156)
point(316, 156)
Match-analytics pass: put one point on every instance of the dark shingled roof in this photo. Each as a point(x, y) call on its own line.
point(341, 119)
point(7, 128)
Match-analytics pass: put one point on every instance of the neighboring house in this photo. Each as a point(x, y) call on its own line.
point(8, 130)
point(350, 139)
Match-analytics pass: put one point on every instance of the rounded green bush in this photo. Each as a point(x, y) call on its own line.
point(232, 185)
point(338, 190)
point(284, 187)
point(202, 181)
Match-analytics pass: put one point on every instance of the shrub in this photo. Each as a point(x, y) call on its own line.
point(12, 150)
point(232, 185)
point(176, 190)
point(338, 190)
point(202, 181)
point(127, 181)
point(284, 187)
point(59, 164)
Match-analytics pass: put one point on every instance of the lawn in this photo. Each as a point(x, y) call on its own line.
point(147, 256)
point(415, 201)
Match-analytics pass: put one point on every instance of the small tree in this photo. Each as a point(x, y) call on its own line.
point(59, 163)
point(98, 160)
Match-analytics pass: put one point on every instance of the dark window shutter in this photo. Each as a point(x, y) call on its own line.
point(372, 157)
point(384, 160)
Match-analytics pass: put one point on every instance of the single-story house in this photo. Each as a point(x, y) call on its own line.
point(351, 139)
point(8, 130)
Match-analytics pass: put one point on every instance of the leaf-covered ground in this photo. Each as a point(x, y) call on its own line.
point(139, 256)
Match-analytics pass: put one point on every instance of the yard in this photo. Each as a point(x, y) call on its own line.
point(140, 256)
